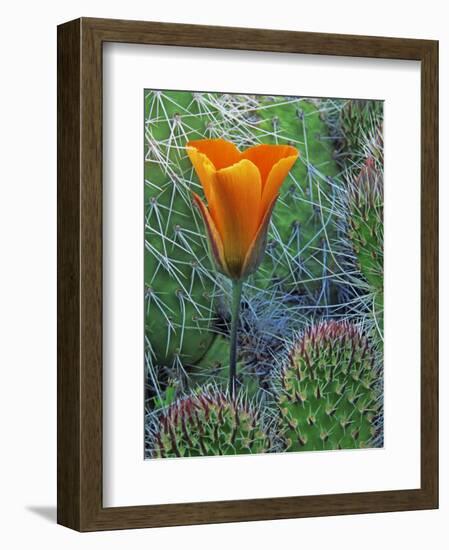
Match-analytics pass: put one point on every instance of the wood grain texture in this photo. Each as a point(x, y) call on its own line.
point(429, 271)
point(69, 407)
point(80, 274)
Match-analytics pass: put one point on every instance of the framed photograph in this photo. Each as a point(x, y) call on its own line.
point(247, 274)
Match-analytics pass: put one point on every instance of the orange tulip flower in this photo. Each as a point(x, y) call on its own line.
point(241, 189)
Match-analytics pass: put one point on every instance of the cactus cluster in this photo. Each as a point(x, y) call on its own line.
point(183, 293)
point(362, 237)
point(209, 423)
point(321, 279)
point(328, 398)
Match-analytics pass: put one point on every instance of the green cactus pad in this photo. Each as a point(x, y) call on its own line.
point(298, 250)
point(209, 423)
point(366, 229)
point(179, 291)
point(328, 398)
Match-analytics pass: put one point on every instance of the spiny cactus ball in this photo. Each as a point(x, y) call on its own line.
point(209, 423)
point(366, 222)
point(328, 398)
point(359, 119)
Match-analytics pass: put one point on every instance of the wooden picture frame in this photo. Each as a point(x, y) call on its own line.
point(80, 351)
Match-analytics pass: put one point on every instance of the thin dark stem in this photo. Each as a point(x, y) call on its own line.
point(236, 297)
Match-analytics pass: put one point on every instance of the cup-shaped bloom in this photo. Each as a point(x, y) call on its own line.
point(241, 189)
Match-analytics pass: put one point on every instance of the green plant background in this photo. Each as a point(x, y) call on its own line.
point(323, 264)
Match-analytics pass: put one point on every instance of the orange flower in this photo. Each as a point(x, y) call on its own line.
point(241, 189)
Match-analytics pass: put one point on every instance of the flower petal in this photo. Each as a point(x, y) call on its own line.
point(221, 153)
point(205, 171)
point(265, 156)
point(215, 243)
point(238, 191)
point(275, 178)
point(257, 248)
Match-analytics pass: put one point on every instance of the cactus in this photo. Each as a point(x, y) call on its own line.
point(178, 307)
point(329, 396)
point(214, 364)
point(356, 128)
point(298, 257)
point(208, 423)
point(365, 230)
point(181, 287)
point(352, 127)
point(315, 265)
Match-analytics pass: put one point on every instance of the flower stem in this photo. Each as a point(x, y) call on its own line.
point(236, 297)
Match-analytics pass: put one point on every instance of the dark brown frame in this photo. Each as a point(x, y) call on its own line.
point(80, 274)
